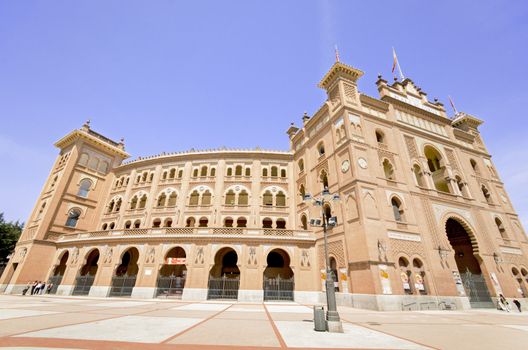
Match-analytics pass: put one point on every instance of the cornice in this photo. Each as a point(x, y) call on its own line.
point(93, 140)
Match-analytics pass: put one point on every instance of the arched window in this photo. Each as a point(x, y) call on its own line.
point(206, 198)
point(111, 206)
point(243, 198)
point(230, 198)
point(193, 199)
point(267, 198)
point(418, 175)
point(405, 272)
point(238, 170)
point(474, 165)
point(283, 172)
point(93, 163)
point(301, 165)
point(280, 199)
point(84, 188)
point(195, 173)
point(138, 178)
point(321, 149)
point(83, 160)
point(104, 227)
point(486, 194)
point(388, 170)
point(203, 171)
point(380, 137)
point(103, 167)
point(133, 202)
point(229, 171)
point(437, 168)
point(144, 177)
point(172, 199)
point(212, 172)
point(151, 177)
point(73, 217)
point(500, 227)
point(168, 222)
point(274, 171)
point(419, 276)
point(241, 222)
point(462, 186)
point(111, 226)
point(53, 182)
point(267, 223)
point(280, 223)
point(180, 173)
point(137, 223)
point(264, 172)
point(118, 205)
point(228, 222)
point(128, 224)
point(190, 222)
point(143, 201)
point(302, 191)
point(41, 210)
point(433, 159)
point(161, 199)
point(304, 222)
point(156, 223)
point(203, 222)
point(397, 209)
point(248, 171)
point(324, 179)
point(172, 173)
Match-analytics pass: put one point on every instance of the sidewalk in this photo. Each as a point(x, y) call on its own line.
point(114, 323)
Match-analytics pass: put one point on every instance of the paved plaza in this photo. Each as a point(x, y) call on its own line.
point(49, 322)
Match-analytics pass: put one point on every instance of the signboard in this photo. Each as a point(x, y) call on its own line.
point(458, 283)
point(344, 280)
point(418, 282)
point(175, 261)
point(384, 278)
point(405, 280)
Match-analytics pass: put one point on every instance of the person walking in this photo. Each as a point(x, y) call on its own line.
point(33, 287)
point(502, 303)
point(48, 290)
point(518, 304)
point(26, 288)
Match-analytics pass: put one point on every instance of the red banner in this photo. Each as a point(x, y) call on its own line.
point(176, 261)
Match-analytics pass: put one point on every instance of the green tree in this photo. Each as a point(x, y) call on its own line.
point(9, 234)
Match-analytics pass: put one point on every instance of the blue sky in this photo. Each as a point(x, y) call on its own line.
point(172, 75)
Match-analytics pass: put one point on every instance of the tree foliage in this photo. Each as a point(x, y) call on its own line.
point(9, 234)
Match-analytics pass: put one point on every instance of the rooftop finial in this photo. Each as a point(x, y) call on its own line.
point(86, 125)
point(336, 53)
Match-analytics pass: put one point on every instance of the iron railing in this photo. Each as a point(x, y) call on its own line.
point(170, 287)
point(122, 286)
point(83, 284)
point(278, 288)
point(223, 288)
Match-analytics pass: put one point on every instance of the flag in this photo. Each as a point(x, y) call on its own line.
point(395, 60)
point(337, 54)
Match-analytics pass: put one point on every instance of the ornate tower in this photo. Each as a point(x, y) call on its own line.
point(69, 202)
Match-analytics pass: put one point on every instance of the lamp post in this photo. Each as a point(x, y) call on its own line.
point(333, 320)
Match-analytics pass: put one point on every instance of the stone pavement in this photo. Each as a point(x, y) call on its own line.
point(49, 322)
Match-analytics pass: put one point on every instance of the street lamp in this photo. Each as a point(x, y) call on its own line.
point(332, 316)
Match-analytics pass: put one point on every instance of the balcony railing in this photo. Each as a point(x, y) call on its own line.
point(194, 231)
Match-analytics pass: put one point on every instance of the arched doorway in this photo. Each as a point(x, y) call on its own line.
point(58, 272)
point(468, 265)
point(86, 276)
point(171, 279)
point(125, 275)
point(224, 277)
point(278, 277)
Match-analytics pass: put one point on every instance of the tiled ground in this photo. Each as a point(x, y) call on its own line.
point(48, 322)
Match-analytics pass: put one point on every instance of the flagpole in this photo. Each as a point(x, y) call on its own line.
point(399, 69)
point(397, 63)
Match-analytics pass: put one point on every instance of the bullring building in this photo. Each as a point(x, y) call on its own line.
point(423, 221)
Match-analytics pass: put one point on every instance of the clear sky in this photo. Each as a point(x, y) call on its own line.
point(173, 75)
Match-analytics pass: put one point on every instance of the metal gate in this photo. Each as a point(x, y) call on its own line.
point(122, 285)
point(223, 288)
point(477, 290)
point(83, 285)
point(170, 287)
point(278, 288)
point(55, 281)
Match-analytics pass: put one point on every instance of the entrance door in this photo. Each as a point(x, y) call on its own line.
point(468, 266)
point(172, 275)
point(125, 276)
point(278, 288)
point(86, 277)
point(224, 277)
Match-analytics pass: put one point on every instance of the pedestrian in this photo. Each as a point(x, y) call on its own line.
point(502, 303)
point(48, 290)
point(518, 304)
point(33, 286)
point(26, 288)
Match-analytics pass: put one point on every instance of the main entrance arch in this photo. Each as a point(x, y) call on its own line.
point(86, 276)
point(125, 275)
point(171, 279)
point(224, 277)
point(468, 264)
point(278, 276)
point(58, 272)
